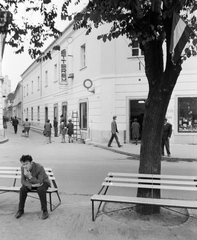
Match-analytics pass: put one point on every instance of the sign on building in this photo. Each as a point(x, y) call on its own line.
point(63, 74)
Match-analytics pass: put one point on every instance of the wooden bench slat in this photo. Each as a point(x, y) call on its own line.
point(152, 201)
point(148, 186)
point(168, 182)
point(115, 174)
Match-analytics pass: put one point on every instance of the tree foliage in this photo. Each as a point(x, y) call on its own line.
point(30, 21)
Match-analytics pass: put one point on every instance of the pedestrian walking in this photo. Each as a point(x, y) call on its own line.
point(166, 134)
point(70, 130)
point(135, 129)
point(47, 129)
point(26, 125)
point(55, 126)
point(15, 124)
point(63, 131)
point(114, 131)
point(33, 177)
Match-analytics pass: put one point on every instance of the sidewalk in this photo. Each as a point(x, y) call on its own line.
point(182, 152)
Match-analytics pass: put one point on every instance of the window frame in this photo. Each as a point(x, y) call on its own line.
point(83, 106)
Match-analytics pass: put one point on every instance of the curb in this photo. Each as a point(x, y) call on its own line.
point(137, 156)
point(4, 140)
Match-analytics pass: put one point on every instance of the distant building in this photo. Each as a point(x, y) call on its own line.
point(6, 89)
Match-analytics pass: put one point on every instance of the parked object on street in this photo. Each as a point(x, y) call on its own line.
point(184, 184)
point(166, 134)
point(26, 125)
point(114, 131)
point(47, 130)
point(14, 174)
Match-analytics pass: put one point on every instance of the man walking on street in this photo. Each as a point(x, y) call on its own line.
point(15, 124)
point(167, 131)
point(114, 131)
point(55, 126)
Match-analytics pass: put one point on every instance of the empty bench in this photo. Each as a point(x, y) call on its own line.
point(12, 185)
point(184, 184)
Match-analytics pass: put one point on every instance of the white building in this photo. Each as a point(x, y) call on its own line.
point(57, 86)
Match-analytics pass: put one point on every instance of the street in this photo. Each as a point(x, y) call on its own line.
point(79, 170)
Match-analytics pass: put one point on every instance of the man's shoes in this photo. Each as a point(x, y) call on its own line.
point(109, 146)
point(120, 146)
point(169, 155)
point(19, 213)
point(45, 215)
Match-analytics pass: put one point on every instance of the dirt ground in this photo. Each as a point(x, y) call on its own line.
point(72, 221)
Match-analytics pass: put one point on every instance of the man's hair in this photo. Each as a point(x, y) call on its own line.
point(26, 158)
point(26, 119)
point(114, 117)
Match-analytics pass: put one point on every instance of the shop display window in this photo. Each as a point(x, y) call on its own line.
point(187, 114)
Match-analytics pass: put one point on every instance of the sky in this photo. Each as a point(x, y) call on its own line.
point(14, 65)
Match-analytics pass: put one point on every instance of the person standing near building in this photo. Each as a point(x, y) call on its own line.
point(15, 124)
point(167, 132)
point(135, 129)
point(63, 131)
point(26, 125)
point(70, 127)
point(114, 131)
point(55, 126)
point(47, 128)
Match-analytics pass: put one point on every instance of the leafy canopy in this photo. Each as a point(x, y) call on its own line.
point(136, 19)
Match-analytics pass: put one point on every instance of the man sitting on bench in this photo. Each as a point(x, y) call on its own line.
point(33, 177)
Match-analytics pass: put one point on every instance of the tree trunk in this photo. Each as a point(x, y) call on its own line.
point(161, 85)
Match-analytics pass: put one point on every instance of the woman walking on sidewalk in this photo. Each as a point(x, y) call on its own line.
point(70, 131)
point(63, 131)
point(47, 128)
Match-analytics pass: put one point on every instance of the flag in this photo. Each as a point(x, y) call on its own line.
point(179, 37)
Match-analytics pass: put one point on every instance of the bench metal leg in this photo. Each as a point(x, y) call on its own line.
point(92, 210)
point(53, 207)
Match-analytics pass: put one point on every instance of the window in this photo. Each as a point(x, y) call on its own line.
point(27, 113)
point(55, 73)
point(187, 114)
point(136, 51)
point(38, 82)
point(83, 56)
point(46, 78)
point(32, 86)
point(38, 113)
point(83, 115)
point(32, 114)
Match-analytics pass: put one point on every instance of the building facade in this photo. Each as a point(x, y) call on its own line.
point(89, 81)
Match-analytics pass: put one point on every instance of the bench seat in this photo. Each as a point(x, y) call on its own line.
point(186, 184)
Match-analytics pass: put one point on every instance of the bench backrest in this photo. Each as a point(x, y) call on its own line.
point(15, 173)
point(165, 182)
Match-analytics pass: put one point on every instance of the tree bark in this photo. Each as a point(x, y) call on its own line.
point(161, 85)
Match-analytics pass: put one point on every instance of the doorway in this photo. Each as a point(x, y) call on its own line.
point(64, 112)
point(46, 114)
point(136, 110)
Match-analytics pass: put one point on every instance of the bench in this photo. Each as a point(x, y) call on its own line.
point(14, 173)
point(185, 184)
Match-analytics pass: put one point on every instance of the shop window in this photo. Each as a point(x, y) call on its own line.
point(38, 113)
point(83, 115)
point(32, 114)
point(187, 114)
